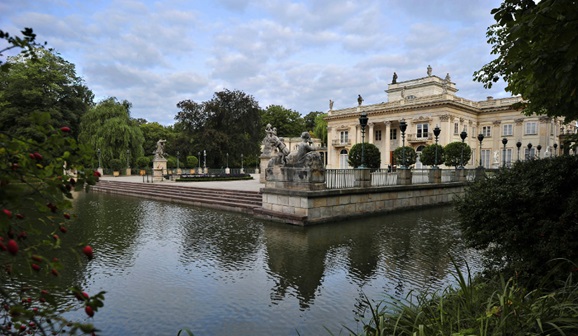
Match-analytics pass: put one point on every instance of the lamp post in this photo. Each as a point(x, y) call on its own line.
point(98, 153)
point(128, 158)
point(437, 132)
point(227, 160)
point(539, 148)
point(242, 171)
point(363, 122)
point(463, 136)
point(504, 142)
point(402, 128)
point(555, 149)
point(518, 144)
point(205, 156)
point(529, 151)
point(178, 161)
point(199, 159)
point(480, 139)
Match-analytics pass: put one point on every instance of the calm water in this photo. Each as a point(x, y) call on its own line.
point(167, 266)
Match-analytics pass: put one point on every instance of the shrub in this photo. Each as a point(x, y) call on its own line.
point(428, 155)
point(171, 162)
point(453, 154)
point(115, 164)
point(371, 155)
point(410, 156)
point(524, 216)
point(192, 161)
point(143, 162)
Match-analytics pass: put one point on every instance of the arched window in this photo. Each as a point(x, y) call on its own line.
point(343, 164)
point(420, 148)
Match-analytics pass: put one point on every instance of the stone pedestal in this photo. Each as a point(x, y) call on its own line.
point(263, 166)
point(435, 175)
point(100, 171)
point(128, 172)
point(461, 175)
point(295, 178)
point(159, 168)
point(362, 178)
point(403, 176)
point(227, 170)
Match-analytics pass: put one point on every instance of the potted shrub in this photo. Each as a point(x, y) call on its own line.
point(192, 163)
point(116, 166)
point(143, 163)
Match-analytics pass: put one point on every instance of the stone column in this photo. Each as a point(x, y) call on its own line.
point(387, 144)
point(369, 135)
point(330, 150)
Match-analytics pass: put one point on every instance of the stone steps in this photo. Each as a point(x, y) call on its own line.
point(224, 199)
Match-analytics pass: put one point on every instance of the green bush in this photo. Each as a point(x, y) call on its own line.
point(115, 164)
point(428, 155)
point(143, 162)
point(453, 154)
point(171, 162)
point(370, 153)
point(524, 216)
point(410, 156)
point(192, 161)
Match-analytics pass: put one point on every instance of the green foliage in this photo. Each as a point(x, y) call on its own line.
point(27, 43)
point(428, 155)
point(45, 84)
point(289, 123)
point(143, 162)
point(108, 127)
point(457, 153)
point(153, 132)
point(115, 164)
point(480, 307)
point(228, 123)
point(320, 129)
point(524, 216)
point(171, 162)
point(537, 55)
point(310, 120)
point(192, 161)
point(410, 156)
point(371, 154)
point(35, 201)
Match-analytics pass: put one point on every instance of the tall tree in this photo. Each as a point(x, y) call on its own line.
point(108, 127)
point(310, 120)
point(320, 129)
point(152, 133)
point(228, 123)
point(289, 123)
point(537, 55)
point(47, 83)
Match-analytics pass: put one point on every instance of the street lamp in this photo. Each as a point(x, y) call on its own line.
point(227, 160)
point(199, 160)
point(504, 142)
point(463, 136)
point(178, 162)
point(480, 139)
point(98, 153)
point(205, 155)
point(539, 148)
point(518, 144)
point(436, 131)
point(241, 162)
point(127, 158)
point(529, 151)
point(555, 149)
point(402, 128)
point(363, 122)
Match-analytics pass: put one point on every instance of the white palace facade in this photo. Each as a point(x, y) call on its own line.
point(431, 101)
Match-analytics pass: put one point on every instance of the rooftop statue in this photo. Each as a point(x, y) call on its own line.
point(359, 100)
point(429, 70)
point(394, 80)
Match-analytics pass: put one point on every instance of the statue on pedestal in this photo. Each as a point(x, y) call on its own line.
point(160, 151)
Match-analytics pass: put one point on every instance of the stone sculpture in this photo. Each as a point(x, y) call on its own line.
point(394, 80)
point(160, 151)
point(359, 100)
point(429, 71)
point(330, 105)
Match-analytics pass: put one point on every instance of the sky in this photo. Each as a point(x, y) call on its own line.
point(295, 53)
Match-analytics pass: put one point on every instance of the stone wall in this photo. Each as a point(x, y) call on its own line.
point(312, 207)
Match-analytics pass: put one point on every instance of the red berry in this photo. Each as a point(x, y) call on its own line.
point(65, 129)
point(54, 272)
point(35, 267)
point(67, 216)
point(55, 236)
point(8, 213)
point(96, 174)
point(37, 156)
point(20, 216)
point(89, 311)
point(12, 247)
point(87, 250)
point(63, 229)
point(31, 155)
point(36, 257)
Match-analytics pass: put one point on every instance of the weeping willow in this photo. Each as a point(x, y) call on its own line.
point(109, 127)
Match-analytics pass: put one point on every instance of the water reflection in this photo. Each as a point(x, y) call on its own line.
point(188, 267)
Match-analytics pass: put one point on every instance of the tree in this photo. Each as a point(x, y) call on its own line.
point(428, 155)
point(35, 201)
point(108, 127)
point(27, 43)
point(371, 154)
point(46, 83)
point(228, 123)
point(524, 217)
point(153, 132)
point(320, 129)
point(288, 122)
point(408, 152)
point(310, 120)
point(192, 161)
point(453, 154)
point(537, 55)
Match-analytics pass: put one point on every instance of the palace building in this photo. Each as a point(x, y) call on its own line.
point(431, 101)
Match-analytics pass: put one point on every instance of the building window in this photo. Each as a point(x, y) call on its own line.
point(508, 130)
point(422, 130)
point(378, 135)
point(393, 134)
point(344, 137)
point(485, 158)
point(531, 128)
point(529, 154)
point(487, 131)
point(508, 157)
point(456, 128)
